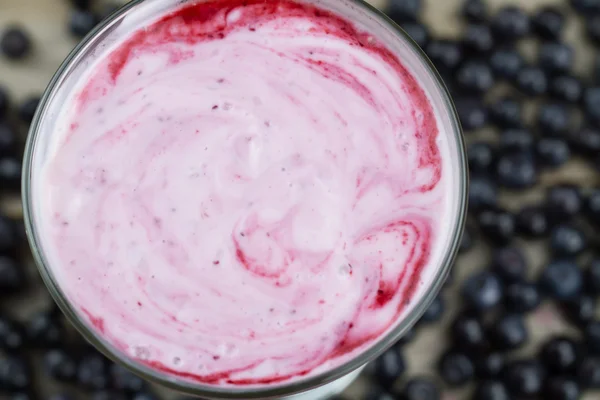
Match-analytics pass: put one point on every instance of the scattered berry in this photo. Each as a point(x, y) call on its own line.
point(497, 225)
point(548, 23)
point(511, 23)
point(15, 43)
point(506, 62)
point(389, 367)
point(482, 291)
point(561, 279)
point(456, 368)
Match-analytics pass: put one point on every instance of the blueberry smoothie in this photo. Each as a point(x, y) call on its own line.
point(244, 193)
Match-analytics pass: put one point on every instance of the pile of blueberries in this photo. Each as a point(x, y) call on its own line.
point(489, 328)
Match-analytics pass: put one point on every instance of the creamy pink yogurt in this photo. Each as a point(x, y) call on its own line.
point(245, 192)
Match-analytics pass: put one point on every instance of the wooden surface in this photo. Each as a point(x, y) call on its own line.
point(47, 19)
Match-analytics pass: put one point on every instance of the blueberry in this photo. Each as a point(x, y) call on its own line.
point(482, 192)
point(592, 206)
point(556, 57)
point(588, 373)
point(28, 108)
point(467, 240)
point(482, 291)
point(408, 337)
point(92, 372)
point(81, 22)
point(489, 365)
point(10, 173)
point(478, 38)
point(591, 103)
point(389, 367)
point(592, 277)
point(15, 373)
point(509, 263)
point(497, 225)
point(82, 4)
point(124, 380)
point(586, 7)
point(471, 112)
point(15, 43)
point(446, 55)
point(561, 388)
point(553, 119)
point(548, 23)
point(491, 390)
point(507, 112)
point(567, 88)
point(524, 378)
point(552, 152)
point(481, 157)
point(586, 141)
point(12, 336)
point(509, 332)
point(108, 395)
point(60, 365)
point(12, 276)
point(405, 10)
point(61, 396)
point(421, 388)
point(522, 297)
point(563, 201)
point(417, 31)
point(44, 329)
point(8, 139)
point(580, 310)
point(560, 354)
point(4, 102)
point(377, 393)
point(22, 396)
point(532, 221)
point(592, 337)
point(511, 23)
point(435, 311)
point(144, 396)
point(516, 139)
point(567, 240)
point(456, 368)
point(468, 333)
point(516, 170)
point(475, 76)
point(475, 10)
point(532, 80)
point(593, 28)
point(506, 62)
point(561, 279)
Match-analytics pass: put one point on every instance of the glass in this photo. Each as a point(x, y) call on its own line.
point(312, 387)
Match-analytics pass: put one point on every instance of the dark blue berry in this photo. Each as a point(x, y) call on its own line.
point(144, 396)
point(435, 311)
point(562, 388)
point(475, 10)
point(4, 102)
point(561, 279)
point(567, 88)
point(548, 23)
point(586, 7)
point(509, 263)
point(516, 139)
point(507, 112)
point(123, 379)
point(482, 291)
point(497, 225)
point(15, 373)
point(553, 119)
point(417, 31)
point(588, 373)
point(532, 221)
point(592, 277)
point(15, 42)
point(522, 297)
point(405, 10)
point(563, 201)
point(506, 62)
point(12, 336)
point(82, 22)
point(389, 367)
point(377, 393)
point(421, 388)
point(481, 157)
point(467, 332)
point(592, 337)
point(592, 206)
point(60, 365)
point(10, 173)
point(12, 276)
point(491, 390)
point(8, 139)
point(28, 108)
point(591, 103)
point(509, 332)
point(552, 152)
point(92, 372)
point(478, 38)
point(456, 368)
point(108, 395)
point(585, 141)
point(22, 396)
point(561, 354)
point(467, 240)
point(471, 112)
point(482, 193)
point(593, 28)
point(489, 365)
point(45, 329)
point(524, 378)
point(567, 240)
point(580, 310)
point(556, 57)
point(407, 337)
point(532, 81)
point(516, 170)
point(446, 55)
point(511, 23)
point(475, 76)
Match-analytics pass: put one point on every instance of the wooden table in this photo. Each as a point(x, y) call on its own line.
point(46, 20)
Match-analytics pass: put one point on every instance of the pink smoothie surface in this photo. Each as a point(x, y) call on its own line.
point(246, 192)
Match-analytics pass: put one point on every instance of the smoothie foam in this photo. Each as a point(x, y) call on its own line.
point(245, 192)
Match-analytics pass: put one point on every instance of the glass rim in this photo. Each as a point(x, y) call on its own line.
point(286, 389)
